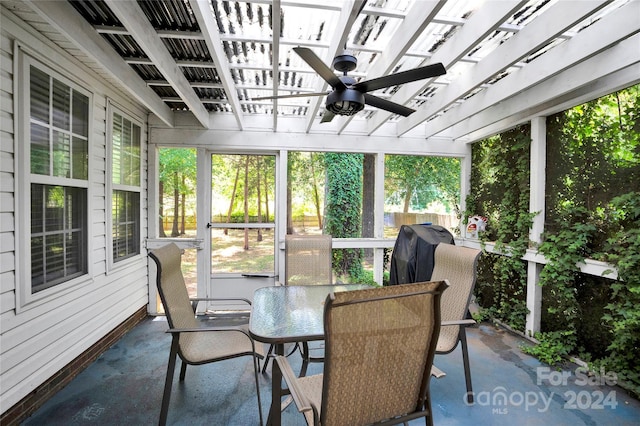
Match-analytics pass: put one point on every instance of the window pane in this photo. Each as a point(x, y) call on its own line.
point(125, 227)
point(420, 189)
point(37, 261)
point(61, 105)
point(125, 167)
point(135, 155)
point(54, 209)
point(116, 148)
point(39, 150)
point(37, 208)
point(54, 257)
point(39, 85)
point(74, 257)
point(61, 154)
point(80, 114)
point(58, 251)
point(80, 159)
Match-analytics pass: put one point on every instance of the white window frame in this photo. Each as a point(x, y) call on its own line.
point(112, 264)
point(24, 58)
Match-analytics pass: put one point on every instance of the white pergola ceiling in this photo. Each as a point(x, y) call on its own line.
point(505, 60)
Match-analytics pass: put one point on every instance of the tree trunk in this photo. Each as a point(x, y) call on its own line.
point(316, 194)
point(176, 206)
point(368, 204)
point(258, 165)
point(161, 232)
point(246, 202)
point(407, 199)
point(233, 198)
point(183, 207)
point(289, 210)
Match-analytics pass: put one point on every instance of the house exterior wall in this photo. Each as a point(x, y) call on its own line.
point(38, 338)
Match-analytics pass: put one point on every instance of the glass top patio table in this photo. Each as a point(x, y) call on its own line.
point(283, 314)
point(287, 314)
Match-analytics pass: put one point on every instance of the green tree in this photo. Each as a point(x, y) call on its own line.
point(177, 175)
point(343, 204)
point(417, 181)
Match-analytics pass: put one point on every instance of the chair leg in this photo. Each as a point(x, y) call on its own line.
point(166, 396)
point(183, 370)
point(465, 361)
point(306, 358)
point(256, 369)
point(266, 359)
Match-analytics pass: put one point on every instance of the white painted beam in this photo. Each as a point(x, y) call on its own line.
point(602, 86)
point(64, 18)
point(348, 16)
point(275, 48)
point(209, 28)
point(417, 19)
point(559, 18)
point(602, 35)
point(259, 140)
point(482, 23)
point(134, 19)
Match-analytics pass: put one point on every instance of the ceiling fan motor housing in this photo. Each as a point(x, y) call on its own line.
point(347, 101)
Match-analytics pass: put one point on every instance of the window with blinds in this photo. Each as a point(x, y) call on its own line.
point(59, 165)
point(125, 195)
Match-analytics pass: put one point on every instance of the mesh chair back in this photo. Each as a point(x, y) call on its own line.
point(380, 345)
point(308, 259)
point(457, 265)
point(172, 288)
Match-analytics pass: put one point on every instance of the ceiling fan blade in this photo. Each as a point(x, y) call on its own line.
point(320, 67)
point(387, 105)
point(327, 116)
point(297, 95)
point(401, 78)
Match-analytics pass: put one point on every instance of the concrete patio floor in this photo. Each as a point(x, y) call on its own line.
point(124, 387)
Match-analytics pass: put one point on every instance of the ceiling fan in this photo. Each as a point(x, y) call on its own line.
point(348, 96)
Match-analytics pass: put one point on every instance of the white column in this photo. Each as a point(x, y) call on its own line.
point(378, 218)
point(281, 212)
point(536, 205)
point(203, 215)
point(465, 186)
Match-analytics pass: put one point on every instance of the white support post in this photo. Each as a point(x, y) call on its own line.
point(465, 186)
point(203, 207)
point(281, 212)
point(378, 218)
point(536, 205)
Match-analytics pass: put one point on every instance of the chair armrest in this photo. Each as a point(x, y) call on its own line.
point(195, 300)
point(464, 322)
point(175, 332)
point(301, 400)
point(219, 299)
point(207, 329)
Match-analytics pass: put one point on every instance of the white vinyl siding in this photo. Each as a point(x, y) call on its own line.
point(44, 331)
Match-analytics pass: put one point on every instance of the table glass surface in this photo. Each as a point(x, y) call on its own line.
point(282, 314)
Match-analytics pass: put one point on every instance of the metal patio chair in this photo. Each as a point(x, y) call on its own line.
point(379, 349)
point(195, 345)
point(457, 265)
point(308, 261)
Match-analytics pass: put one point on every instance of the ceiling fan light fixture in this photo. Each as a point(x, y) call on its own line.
point(345, 102)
